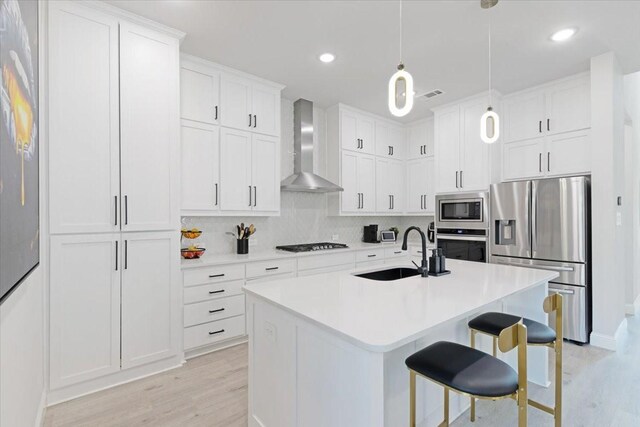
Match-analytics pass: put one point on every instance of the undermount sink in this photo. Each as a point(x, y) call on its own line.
point(390, 274)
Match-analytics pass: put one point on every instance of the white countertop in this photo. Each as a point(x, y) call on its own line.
point(209, 260)
point(382, 316)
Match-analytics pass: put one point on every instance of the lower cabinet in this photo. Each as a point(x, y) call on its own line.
point(114, 301)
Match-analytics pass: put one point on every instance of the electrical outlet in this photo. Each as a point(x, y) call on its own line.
point(335, 237)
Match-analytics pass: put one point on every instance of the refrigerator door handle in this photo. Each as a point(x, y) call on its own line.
point(550, 267)
point(562, 291)
point(534, 220)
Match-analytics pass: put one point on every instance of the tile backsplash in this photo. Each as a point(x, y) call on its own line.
point(303, 219)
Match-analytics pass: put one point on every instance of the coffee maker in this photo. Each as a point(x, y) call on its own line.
point(371, 234)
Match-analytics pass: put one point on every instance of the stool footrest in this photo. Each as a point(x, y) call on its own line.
point(542, 407)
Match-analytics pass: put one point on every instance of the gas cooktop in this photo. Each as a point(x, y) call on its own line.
point(310, 247)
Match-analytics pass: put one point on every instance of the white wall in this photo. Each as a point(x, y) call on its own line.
point(632, 203)
point(607, 134)
point(22, 354)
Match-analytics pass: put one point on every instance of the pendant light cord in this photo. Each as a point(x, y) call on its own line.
point(401, 31)
point(490, 82)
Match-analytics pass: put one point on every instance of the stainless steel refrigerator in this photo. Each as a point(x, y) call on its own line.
point(546, 224)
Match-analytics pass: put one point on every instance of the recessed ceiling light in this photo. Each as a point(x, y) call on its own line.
point(562, 35)
point(327, 57)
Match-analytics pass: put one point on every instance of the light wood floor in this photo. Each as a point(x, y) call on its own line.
point(601, 388)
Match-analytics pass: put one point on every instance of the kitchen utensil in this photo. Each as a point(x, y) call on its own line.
point(252, 230)
point(246, 233)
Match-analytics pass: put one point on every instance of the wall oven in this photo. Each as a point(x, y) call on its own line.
point(462, 225)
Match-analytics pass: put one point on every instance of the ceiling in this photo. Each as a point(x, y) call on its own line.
point(445, 43)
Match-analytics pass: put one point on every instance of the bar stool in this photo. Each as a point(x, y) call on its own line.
point(538, 334)
point(472, 372)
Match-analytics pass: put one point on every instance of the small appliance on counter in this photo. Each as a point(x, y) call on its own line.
point(387, 236)
point(371, 234)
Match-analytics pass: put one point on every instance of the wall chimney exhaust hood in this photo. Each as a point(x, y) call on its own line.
point(303, 178)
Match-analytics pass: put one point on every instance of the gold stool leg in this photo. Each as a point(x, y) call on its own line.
point(495, 346)
point(412, 399)
point(473, 400)
point(446, 407)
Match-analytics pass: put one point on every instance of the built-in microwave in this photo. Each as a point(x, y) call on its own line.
point(463, 210)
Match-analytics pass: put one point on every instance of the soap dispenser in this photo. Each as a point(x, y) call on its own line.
point(435, 259)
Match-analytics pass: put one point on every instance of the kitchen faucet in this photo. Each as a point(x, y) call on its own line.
point(423, 269)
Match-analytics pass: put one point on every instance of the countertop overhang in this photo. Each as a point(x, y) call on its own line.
point(382, 316)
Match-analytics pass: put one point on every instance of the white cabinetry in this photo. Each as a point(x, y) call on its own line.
point(390, 191)
point(358, 182)
point(420, 186)
point(420, 139)
point(233, 169)
point(390, 141)
point(357, 132)
point(463, 160)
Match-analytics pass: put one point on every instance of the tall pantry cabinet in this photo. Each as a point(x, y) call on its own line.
point(113, 182)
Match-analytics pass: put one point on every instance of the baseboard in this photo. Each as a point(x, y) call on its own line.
point(189, 354)
point(634, 308)
point(609, 342)
point(41, 408)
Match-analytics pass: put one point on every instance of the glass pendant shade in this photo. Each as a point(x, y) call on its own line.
point(489, 126)
point(400, 93)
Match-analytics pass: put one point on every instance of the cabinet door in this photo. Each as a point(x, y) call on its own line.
point(365, 132)
point(420, 139)
point(568, 106)
point(236, 191)
point(416, 185)
point(429, 150)
point(396, 185)
point(235, 102)
point(265, 109)
point(447, 149)
point(397, 142)
point(83, 120)
point(150, 297)
point(523, 159)
point(474, 160)
point(523, 116)
point(389, 140)
point(569, 153)
point(349, 138)
point(150, 134)
point(199, 93)
point(200, 167)
point(85, 307)
point(265, 173)
point(350, 197)
point(430, 188)
point(367, 182)
point(383, 186)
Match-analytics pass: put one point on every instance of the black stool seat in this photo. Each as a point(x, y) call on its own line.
point(493, 323)
point(464, 369)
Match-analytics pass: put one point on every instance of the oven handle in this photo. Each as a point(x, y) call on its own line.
point(457, 237)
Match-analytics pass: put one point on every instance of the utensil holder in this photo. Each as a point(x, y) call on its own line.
point(243, 246)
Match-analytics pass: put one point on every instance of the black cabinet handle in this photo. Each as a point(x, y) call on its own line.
point(461, 184)
point(255, 195)
point(539, 162)
point(393, 201)
point(126, 254)
point(116, 255)
point(216, 194)
point(540, 126)
point(371, 256)
point(389, 201)
point(271, 268)
point(250, 203)
point(249, 120)
point(457, 172)
point(126, 210)
point(216, 311)
point(397, 252)
point(548, 126)
point(219, 291)
point(213, 276)
point(116, 210)
point(216, 332)
point(548, 161)
point(255, 120)
point(216, 117)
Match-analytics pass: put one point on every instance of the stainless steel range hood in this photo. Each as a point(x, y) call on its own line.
point(303, 178)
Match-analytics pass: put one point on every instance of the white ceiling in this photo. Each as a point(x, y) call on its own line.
point(445, 43)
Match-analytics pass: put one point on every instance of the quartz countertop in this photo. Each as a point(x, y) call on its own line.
point(209, 260)
point(382, 316)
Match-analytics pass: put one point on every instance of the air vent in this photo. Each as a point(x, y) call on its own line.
point(432, 94)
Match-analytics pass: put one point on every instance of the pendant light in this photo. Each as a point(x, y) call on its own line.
point(490, 121)
point(400, 85)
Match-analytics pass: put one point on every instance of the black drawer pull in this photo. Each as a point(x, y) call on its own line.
point(371, 256)
point(211, 276)
point(216, 332)
point(216, 292)
point(216, 311)
point(398, 252)
point(271, 268)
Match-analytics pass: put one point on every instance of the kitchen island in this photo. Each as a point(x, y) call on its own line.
point(329, 349)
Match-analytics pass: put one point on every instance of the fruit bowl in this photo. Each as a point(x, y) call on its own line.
point(191, 234)
point(188, 253)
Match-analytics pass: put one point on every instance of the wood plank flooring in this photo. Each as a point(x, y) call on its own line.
point(601, 389)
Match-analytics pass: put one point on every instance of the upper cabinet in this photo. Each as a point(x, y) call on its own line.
point(230, 142)
point(562, 106)
point(247, 105)
point(547, 130)
point(462, 159)
point(420, 139)
point(390, 141)
point(357, 132)
point(112, 155)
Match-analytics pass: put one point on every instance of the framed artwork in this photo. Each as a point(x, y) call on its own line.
point(19, 133)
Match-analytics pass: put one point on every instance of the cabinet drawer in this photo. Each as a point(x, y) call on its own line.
point(371, 264)
point(217, 309)
point(370, 255)
point(270, 277)
point(326, 260)
point(395, 253)
point(212, 332)
point(213, 274)
point(213, 291)
point(270, 268)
